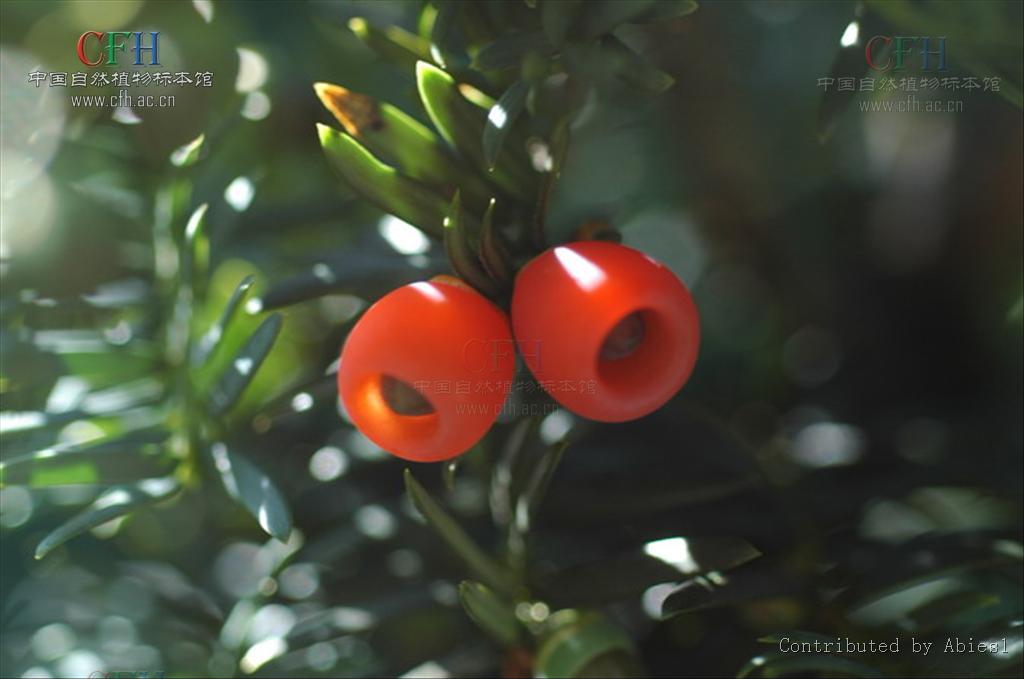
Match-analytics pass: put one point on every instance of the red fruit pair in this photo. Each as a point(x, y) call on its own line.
point(609, 332)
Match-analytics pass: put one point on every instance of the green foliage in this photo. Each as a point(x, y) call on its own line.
point(381, 184)
point(818, 664)
point(188, 154)
point(463, 124)
point(461, 253)
point(629, 575)
point(135, 455)
point(113, 504)
point(400, 140)
point(254, 490)
point(490, 612)
point(501, 118)
point(197, 408)
point(152, 460)
point(489, 571)
point(575, 641)
point(233, 381)
point(493, 251)
point(214, 335)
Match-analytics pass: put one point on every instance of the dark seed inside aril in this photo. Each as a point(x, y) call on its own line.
point(624, 339)
point(402, 398)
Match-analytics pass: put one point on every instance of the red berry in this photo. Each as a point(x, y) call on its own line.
point(611, 333)
point(425, 371)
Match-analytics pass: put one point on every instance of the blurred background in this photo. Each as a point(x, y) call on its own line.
point(855, 415)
